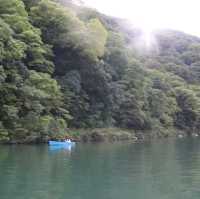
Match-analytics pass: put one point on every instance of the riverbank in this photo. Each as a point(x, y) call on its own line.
point(116, 134)
point(103, 135)
point(84, 135)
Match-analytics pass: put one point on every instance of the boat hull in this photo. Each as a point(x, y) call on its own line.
point(62, 144)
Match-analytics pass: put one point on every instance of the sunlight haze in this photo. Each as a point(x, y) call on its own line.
point(180, 15)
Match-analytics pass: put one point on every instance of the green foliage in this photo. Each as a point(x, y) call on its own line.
point(67, 66)
point(97, 36)
point(21, 39)
point(3, 133)
point(28, 94)
point(62, 28)
point(189, 103)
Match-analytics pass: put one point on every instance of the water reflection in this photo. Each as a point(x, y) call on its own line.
point(168, 169)
point(55, 148)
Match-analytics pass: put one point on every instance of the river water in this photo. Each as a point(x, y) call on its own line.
point(164, 169)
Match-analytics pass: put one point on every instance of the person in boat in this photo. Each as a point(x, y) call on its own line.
point(67, 140)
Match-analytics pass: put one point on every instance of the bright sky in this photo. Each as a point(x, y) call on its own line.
point(183, 15)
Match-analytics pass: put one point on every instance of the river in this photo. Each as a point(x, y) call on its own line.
point(163, 169)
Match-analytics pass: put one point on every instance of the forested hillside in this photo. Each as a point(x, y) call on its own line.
point(66, 66)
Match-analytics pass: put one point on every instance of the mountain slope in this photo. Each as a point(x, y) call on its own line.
point(72, 66)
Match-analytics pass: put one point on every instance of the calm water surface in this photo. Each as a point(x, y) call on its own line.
point(158, 170)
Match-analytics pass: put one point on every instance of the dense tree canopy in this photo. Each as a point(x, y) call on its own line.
point(63, 65)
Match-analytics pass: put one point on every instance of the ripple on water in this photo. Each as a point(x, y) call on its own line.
point(168, 169)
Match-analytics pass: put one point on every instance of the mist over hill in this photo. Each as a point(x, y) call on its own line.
point(64, 66)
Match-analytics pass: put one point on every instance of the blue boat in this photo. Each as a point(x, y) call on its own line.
point(60, 147)
point(61, 144)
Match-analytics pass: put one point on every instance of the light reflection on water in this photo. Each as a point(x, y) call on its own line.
point(165, 169)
